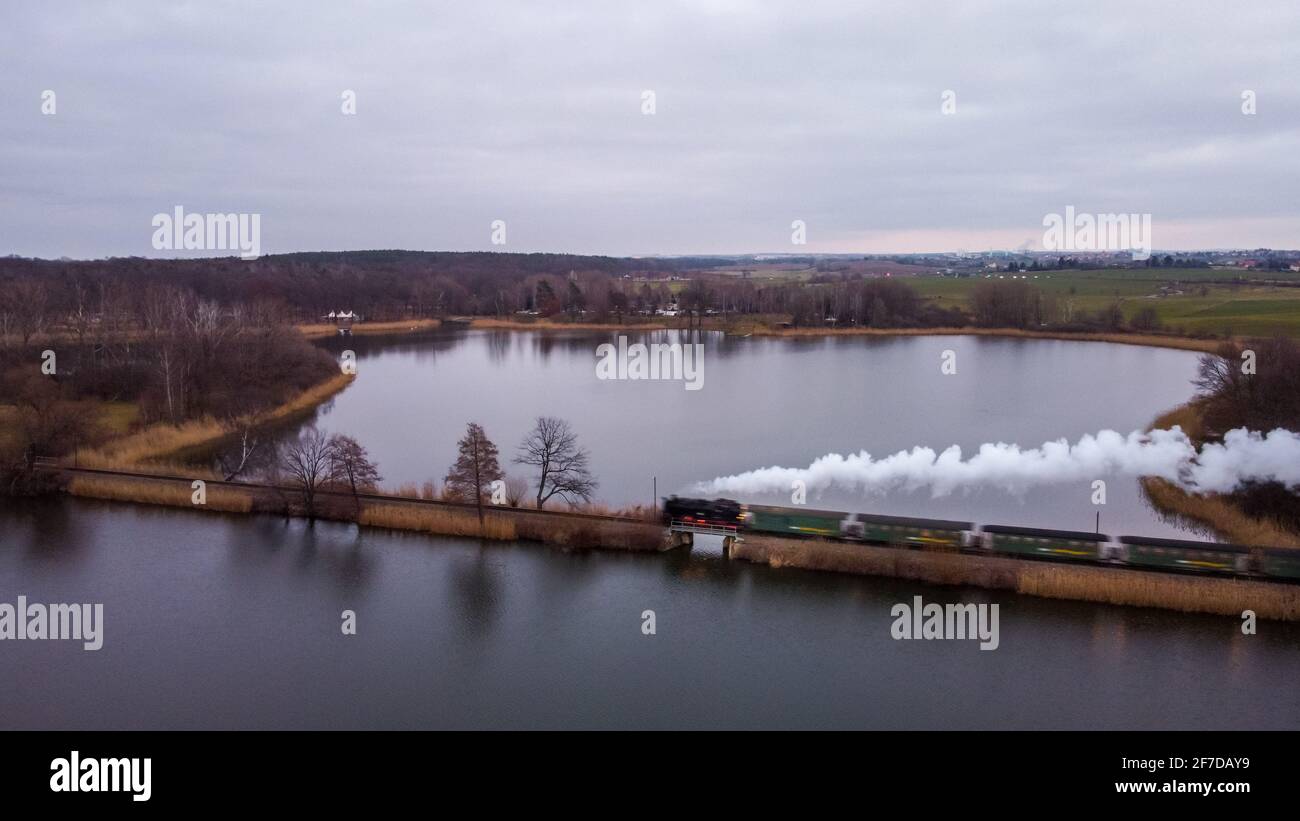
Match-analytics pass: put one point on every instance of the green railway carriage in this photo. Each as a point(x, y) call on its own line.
point(795, 521)
point(1279, 562)
point(927, 534)
point(1026, 542)
point(1178, 554)
point(1069, 545)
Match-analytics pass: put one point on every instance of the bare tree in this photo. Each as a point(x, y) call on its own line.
point(476, 466)
point(45, 421)
point(552, 447)
point(516, 489)
point(28, 301)
point(352, 465)
point(79, 313)
point(310, 465)
point(233, 462)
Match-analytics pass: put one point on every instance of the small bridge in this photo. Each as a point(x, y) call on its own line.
point(681, 533)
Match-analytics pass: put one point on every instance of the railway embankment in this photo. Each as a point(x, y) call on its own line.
point(563, 529)
point(583, 531)
point(1107, 585)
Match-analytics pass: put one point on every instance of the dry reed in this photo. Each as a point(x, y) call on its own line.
point(440, 521)
point(153, 444)
point(152, 492)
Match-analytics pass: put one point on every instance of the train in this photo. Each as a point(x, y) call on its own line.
point(1145, 552)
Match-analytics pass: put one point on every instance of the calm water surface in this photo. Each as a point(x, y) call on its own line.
point(225, 622)
point(771, 402)
point(233, 622)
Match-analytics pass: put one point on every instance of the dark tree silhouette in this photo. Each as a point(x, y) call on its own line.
point(552, 447)
point(352, 465)
point(309, 464)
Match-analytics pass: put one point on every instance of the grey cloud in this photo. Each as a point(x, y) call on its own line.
point(530, 112)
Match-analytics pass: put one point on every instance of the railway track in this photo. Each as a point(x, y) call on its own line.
point(562, 515)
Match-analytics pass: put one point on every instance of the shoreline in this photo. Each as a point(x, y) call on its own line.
point(151, 445)
point(569, 531)
point(146, 447)
point(1182, 343)
point(1210, 511)
point(1051, 580)
point(749, 328)
point(323, 330)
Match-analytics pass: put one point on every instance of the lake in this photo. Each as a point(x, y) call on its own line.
point(219, 621)
point(770, 401)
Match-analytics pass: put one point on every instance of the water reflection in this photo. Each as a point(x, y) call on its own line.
point(478, 587)
point(225, 621)
point(768, 401)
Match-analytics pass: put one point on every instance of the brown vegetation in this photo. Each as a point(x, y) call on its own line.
point(1084, 583)
point(439, 521)
point(1232, 396)
point(510, 524)
point(1216, 513)
point(475, 469)
point(1152, 340)
point(1190, 594)
point(637, 323)
point(153, 444)
point(321, 330)
point(150, 492)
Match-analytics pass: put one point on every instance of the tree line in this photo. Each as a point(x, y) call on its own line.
point(181, 358)
point(316, 461)
point(93, 300)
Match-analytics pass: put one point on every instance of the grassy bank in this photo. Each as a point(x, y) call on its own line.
point(1185, 300)
point(576, 532)
point(320, 330)
point(743, 327)
point(438, 521)
point(553, 325)
point(768, 326)
point(509, 524)
point(146, 492)
point(1209, 511)
point(1189, 594)
point(1192, 594)
point(154, 444)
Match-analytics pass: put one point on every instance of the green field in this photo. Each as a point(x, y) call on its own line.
point(1247, 309)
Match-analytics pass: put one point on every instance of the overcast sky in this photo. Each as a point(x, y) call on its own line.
point(531, 112)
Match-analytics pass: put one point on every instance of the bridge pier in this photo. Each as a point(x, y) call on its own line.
point(682, 534)
point(677, 538)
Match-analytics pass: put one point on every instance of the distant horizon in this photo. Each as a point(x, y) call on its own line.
point(719, 255)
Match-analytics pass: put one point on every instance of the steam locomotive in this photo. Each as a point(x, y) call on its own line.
point(1021, 542)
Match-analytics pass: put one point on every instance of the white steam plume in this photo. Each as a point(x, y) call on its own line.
point(1168, 454)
